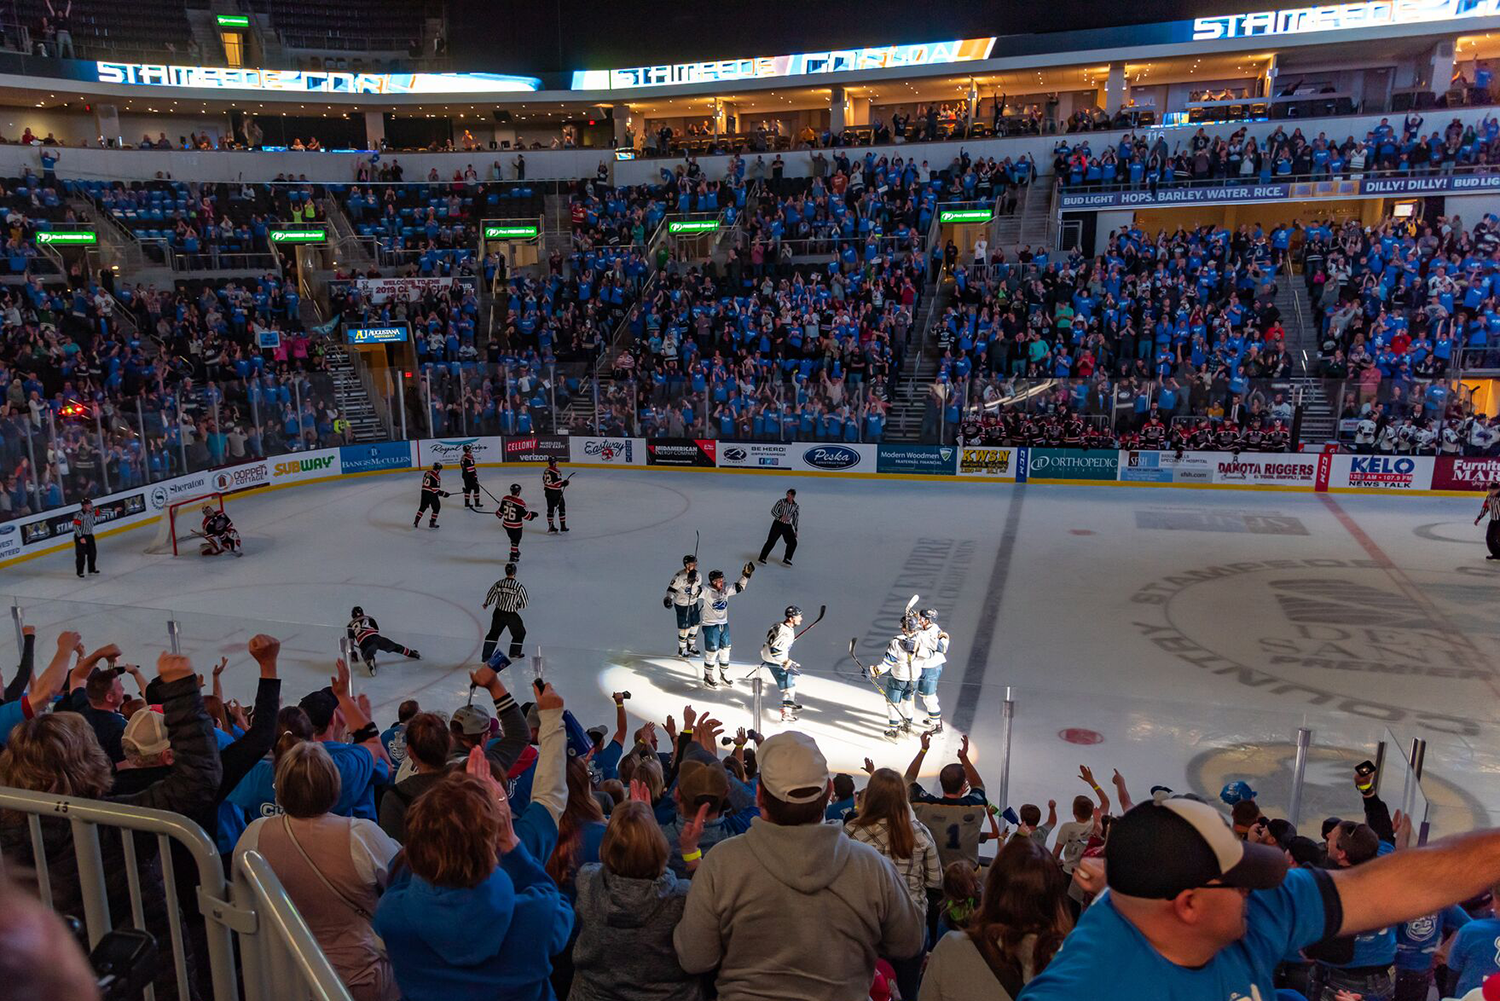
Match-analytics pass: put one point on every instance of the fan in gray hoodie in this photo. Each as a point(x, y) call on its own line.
point(624, 947)
point(793, 909)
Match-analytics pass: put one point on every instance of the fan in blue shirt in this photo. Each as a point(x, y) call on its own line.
point(1192, 913)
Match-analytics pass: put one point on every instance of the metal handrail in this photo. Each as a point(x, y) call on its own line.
point(255, 881)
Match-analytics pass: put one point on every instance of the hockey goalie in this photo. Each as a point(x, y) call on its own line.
point(218, 534)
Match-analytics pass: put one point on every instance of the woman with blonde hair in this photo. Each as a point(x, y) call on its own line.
point(334, 868)
point(884, 821)
point(628, 905)
point(1019, 926)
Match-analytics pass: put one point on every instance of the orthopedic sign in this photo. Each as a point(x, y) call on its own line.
point(1339, 17)
point(875, 57)
point(300, 82)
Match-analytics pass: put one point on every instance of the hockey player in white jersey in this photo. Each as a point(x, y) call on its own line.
point(683, 592)
point(899, 669)
point(776, 654)
point(932, 654)
point(715, 621)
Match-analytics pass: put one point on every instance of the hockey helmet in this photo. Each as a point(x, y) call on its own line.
point(792, 611)
point(552, 460)
point(930, 614)
point(208, 509)
point(688, 561)
point(356, 612)
point(715, 576)
point(515, 488)
point(908, 623)
point(436, 466)
point(468, 448)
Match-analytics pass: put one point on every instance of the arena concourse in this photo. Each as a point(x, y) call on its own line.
point(508, 504)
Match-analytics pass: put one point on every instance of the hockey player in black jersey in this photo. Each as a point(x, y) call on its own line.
point(432, 489)
point(512, 514)
point(469, 469)
point(365, 640)
point(553, 485)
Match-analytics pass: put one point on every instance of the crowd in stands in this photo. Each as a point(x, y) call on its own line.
point(106, 392)
point(1398, 307)
point(1145, 160)
point(496, 849)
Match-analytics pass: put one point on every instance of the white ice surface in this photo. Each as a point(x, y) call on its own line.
point(1092, 621)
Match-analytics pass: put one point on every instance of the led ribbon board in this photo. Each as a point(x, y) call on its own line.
point(319, 82)
point(68, 237)
point(314, 234)
point(965, 215)
point(389, 334)
point(693, 226)
point(1340, 17)
point(762, 67)
point(511, 231)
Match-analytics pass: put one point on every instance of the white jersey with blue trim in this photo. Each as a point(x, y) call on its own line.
point(932, 647)
point(778, 646)
point(900, 657)
point(716, 602)
point(683, 592)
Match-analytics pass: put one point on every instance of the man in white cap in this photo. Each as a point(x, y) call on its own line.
point(1193, 912)
point(765, 905)
point(145, 740)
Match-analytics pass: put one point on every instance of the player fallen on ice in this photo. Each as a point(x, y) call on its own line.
point(553, 485)
point(715, 620)
point(931, 655)
point(683, 592)
point(899, 667)
point(219, 535)
point(513, 514)
point(366, 641)
point(469, 469)
point(432, 489)
point(776, 654)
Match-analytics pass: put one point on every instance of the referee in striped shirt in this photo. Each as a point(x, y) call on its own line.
point(509, 597)
point(1491, 507)
point(783, 526)
point(84, 548)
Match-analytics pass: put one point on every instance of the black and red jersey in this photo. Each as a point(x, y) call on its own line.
point(512, 512)
point(432, 481)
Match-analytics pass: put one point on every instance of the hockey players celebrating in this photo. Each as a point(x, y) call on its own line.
point(218, 533)
point(364, 635)
point(715, 616)
point(899, 667)
point(776, 654)
point(683, 593)
point(512, 514)
point(932, 654)
point(553, 486)
point(432, 489)
point(469, 469)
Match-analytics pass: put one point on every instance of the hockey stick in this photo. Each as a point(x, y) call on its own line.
point(822, 610)
point(865, 673)
point(911, 603)
point(696, 539)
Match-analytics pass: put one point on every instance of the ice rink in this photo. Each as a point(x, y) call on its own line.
point(1182, 636)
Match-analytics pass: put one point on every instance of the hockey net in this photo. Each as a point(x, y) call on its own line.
point(178, 522)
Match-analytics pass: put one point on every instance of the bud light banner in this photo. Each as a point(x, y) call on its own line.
point(1451, 472)
point(926, 460)
point(1381, 472)
point(681, 452)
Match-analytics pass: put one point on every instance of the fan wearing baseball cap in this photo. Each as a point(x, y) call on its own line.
point(1194, 913)
point(793, 908)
